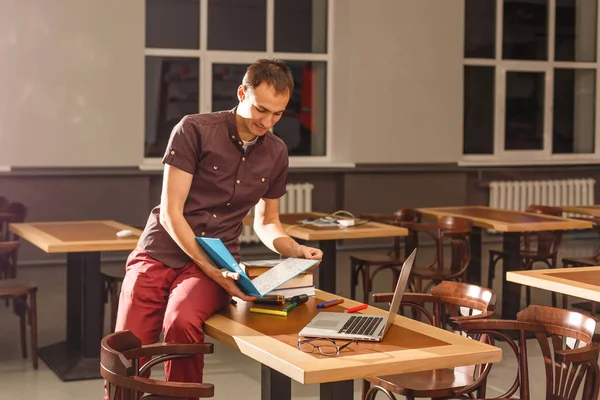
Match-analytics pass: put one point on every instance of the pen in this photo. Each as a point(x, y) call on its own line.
point(330, 303)
point(288, 308)
point(357, 308)
point(267, 311)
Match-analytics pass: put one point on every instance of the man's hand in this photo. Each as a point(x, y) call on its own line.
point(226, 279)
point(310, 253)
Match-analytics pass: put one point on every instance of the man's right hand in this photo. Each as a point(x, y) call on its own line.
point(226, 279)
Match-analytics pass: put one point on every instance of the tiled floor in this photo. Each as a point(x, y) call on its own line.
point(235, 376)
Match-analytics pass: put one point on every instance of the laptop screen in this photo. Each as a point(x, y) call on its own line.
point(400, 287)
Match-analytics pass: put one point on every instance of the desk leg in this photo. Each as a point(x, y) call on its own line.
point(79, 356)
point(511, 292)
point(274, 385)
point(474, 269)
point(342, 390)
point(327, 269)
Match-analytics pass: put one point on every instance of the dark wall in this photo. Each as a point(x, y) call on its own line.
point(128, 195)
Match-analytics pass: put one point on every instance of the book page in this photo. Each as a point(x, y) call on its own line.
point(281, 273)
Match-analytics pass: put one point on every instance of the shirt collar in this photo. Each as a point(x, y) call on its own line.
point(234, 136)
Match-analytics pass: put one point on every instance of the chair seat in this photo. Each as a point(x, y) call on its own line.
point(436, 383)
point(583, 261)
point(16, 287)
point(376, 258)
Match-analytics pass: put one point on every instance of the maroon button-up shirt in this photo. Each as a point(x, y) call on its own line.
point(227, 182)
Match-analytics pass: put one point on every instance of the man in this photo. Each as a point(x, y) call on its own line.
point(217, 167)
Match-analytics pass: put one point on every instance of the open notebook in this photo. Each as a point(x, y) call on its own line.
point(263, 284)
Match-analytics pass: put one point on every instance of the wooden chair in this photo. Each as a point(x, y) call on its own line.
point(119, 365)
point(565, 339)
point(361, 263)
point(546, 250)
point(449, 301)
point(452, 231)
point(590, 261)
point(23, 296)
point(16, 212)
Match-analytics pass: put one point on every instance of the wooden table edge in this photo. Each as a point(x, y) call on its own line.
point(541, 280)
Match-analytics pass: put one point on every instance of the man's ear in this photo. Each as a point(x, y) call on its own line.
point(241, 93)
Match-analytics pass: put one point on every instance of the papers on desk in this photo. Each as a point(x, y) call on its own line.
point(263, 284)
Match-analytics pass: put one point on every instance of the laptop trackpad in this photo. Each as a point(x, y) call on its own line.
point(325, 324)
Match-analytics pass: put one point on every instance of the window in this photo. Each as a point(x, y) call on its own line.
point(530, 81)
point(197, 52)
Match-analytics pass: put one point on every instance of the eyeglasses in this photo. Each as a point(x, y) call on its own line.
point(326, 346)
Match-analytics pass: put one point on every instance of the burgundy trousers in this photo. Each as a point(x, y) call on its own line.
point(155, 297)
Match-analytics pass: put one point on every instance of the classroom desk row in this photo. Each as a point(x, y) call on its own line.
point(77, 356)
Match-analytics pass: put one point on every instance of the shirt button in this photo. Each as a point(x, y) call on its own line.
point(215, 167)
point(214, 215)
point(240, 142)
point(238, 181)
point(172, 152)
point(232, 136)
point(228, 204)
point(262, 180)
point(243, 158)
point(203, 233)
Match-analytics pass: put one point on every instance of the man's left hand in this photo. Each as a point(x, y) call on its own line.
point(310, 253)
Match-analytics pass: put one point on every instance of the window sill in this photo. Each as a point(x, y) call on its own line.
point(155, 164)
point(500, 162)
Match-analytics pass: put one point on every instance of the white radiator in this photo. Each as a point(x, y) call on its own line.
point(517, 195)
point(298, 198)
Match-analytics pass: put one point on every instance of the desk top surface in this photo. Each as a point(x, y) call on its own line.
point(582, 282)
point(76, 236)
point(294, 228)
point(586, 210)
point(506, 220)
point(408, 346)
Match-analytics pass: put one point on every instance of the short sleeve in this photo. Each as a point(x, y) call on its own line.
point(183, 148)
point(277, 187)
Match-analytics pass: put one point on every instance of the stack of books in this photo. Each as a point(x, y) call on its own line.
point(300, 284)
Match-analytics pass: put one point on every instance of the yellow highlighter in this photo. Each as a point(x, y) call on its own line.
point(267, 311)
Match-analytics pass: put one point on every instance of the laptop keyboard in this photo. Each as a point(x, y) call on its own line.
point(358, 325)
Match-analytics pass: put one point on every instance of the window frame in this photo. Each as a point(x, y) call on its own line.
point(209, 57)
point(501, 67)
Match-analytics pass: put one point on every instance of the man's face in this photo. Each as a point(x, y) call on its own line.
point(261, 108)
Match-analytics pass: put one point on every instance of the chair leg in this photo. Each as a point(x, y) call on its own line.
point(22, 328)
point(33, 328)
point(553, 266)
point(114, 304)
point(492, 270)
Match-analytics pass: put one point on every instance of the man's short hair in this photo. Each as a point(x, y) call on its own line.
point(274, 73)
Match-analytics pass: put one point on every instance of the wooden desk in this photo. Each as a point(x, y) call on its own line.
point(593, 211)
point(582, 282)
point(78, 357)
point(511, 224)
point(327, 236)
point(409, 346)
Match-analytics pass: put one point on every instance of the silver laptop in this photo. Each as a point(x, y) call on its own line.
point(336, 325)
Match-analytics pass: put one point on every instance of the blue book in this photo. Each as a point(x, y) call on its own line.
point(261, 285)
